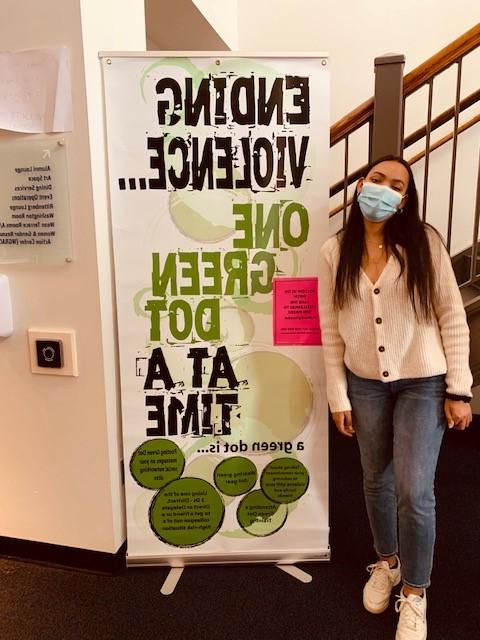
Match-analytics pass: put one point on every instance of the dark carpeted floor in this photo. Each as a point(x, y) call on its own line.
point(262, 602)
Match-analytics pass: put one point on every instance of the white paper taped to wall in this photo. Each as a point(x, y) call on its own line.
point(35, 91)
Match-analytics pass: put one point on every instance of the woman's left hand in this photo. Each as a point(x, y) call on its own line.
point(459, 414)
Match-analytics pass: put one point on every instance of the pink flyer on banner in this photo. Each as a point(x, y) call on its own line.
point(296, 319)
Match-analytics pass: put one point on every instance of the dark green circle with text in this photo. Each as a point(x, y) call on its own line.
point(260, 516)
point(284, 480)
point(186, 512)
point(235, 476)
point(157, 462)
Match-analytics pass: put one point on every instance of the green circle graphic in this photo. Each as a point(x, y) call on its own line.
point(156, 462)
point(186, 512)
point(260, 516)
point(203, 467)
point(284, 480)
point(235, 476)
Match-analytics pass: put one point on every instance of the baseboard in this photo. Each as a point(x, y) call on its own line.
point(64, 557)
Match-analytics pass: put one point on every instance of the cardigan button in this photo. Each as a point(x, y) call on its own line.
point(378, 320)
point(376, 291)
point(385, 374)
point(381, 348)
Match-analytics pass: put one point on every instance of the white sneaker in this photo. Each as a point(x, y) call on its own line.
point(412, 622)
point(377, 591)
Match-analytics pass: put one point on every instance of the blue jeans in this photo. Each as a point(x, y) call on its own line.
point(399, 427)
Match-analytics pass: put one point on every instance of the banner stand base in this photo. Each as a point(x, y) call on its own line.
point(175, 574)
point(171, 581)
point(295, 572)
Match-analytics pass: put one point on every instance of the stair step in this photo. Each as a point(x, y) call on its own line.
point(467, 262)
point(470, 296)
point(462, 262)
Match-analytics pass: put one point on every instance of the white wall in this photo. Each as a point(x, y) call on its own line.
point(354, 33)
point(59, 458)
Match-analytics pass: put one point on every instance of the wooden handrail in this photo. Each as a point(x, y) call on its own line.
point(445, 139)
point(467, 42)
point(413, 81)
point(442, 118)
point(355, 175)
point(351, 122)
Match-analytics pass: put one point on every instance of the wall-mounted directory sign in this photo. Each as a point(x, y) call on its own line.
point(218, 185)
point(34, 204)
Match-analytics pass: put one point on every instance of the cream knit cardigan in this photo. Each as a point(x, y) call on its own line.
point(377, 335)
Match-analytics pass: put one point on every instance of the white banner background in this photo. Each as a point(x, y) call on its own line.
point(280, 390)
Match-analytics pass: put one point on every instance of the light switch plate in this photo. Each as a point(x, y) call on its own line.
point(69, 350)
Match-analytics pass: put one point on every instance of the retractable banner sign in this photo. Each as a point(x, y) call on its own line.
point(218, 187)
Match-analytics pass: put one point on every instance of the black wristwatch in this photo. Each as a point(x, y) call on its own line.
point(453, 396)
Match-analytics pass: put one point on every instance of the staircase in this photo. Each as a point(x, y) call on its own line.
point(466, 261)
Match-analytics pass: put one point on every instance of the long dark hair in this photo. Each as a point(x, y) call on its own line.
point(406, 230)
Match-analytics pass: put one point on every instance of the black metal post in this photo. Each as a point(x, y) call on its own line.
point(388, 115)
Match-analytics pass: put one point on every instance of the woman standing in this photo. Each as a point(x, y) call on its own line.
point(396, 345)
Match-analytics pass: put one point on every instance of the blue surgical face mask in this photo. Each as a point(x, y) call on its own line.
point(377, 202)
